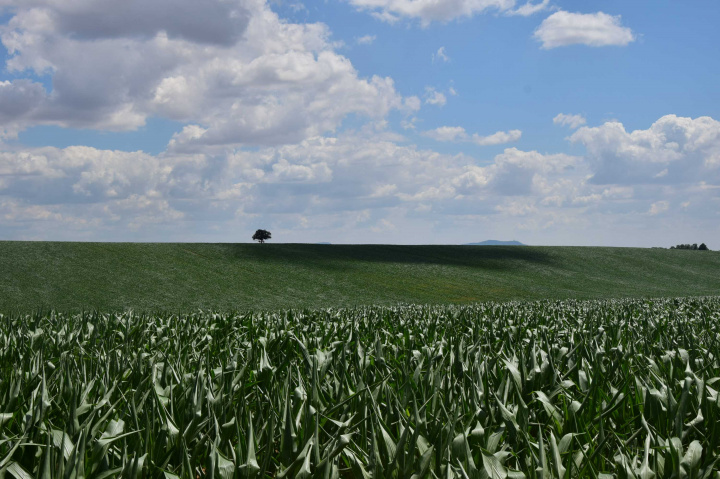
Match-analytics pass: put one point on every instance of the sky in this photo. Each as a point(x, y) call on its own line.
point(550, 122)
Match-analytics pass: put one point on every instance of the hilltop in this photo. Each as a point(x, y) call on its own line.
point(496, 243)
point(190, 276)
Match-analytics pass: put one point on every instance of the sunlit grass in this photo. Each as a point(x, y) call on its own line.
point(181, 277)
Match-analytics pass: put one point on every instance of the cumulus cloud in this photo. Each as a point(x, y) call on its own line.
point(236, 70)
point(210, 22)
point(428, 11)
point(593, 29)
point(19, 99)
point(319, 177)
point(517, 173)
point(572, 121)
point(244, 77)
point(284, 171)
point(92, 175)
point(673, 150)
point(353, 182)
point(458, 133)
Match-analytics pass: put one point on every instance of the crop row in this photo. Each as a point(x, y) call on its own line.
point(625, 388)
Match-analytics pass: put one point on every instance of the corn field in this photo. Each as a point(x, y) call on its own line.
point(625, 388)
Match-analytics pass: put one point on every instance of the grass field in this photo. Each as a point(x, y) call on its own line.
point(545, 390)
point(182, 277)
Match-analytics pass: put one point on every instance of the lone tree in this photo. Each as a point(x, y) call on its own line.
point(262, 235)
point(703, 247)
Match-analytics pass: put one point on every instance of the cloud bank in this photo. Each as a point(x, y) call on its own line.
point(357, 183)
point(263, 101)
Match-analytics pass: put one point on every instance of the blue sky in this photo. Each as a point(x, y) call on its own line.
point(361, 121)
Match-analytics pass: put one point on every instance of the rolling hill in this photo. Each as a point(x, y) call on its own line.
point(186, 276)
point(497, 243)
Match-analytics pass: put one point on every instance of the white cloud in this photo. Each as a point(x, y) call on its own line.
point(518, 173)
point(497, 138)
point(594, 29)
point(95, 175)
point(412, 103)
point(458, 133)
point(573, 121)
point(522, 207)
point(142, 210)
point(530, 8)
point(409, 124)
point(247, 77)
point(284, 171)
point(447, 133)
point(383, 190)
point(428, 11)
point(297, 7)
point(658, 207)
point(13, 211)
point(233, 68)
point(112, 190)
point(673, 150)
point(440, 56)
point(366, 39)
point(434, 97)
point(347, 185)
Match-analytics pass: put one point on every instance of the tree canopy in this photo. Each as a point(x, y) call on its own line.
point(693, 246)
point(262, 236)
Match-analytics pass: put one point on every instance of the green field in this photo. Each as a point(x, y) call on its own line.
point(182, 277)
point(560, 388)
point(545, 390)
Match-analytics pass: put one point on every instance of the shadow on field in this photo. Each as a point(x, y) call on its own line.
point(343, 256)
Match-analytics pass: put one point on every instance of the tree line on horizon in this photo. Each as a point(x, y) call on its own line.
point(693, 246)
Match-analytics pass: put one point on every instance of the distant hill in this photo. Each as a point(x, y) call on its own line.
point(183, 277)
point(497, 243)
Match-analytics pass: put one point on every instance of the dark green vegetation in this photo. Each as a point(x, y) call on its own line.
point(498, 243)
point(536, 390)
point(185, 277)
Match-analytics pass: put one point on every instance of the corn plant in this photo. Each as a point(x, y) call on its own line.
point(617, 388)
